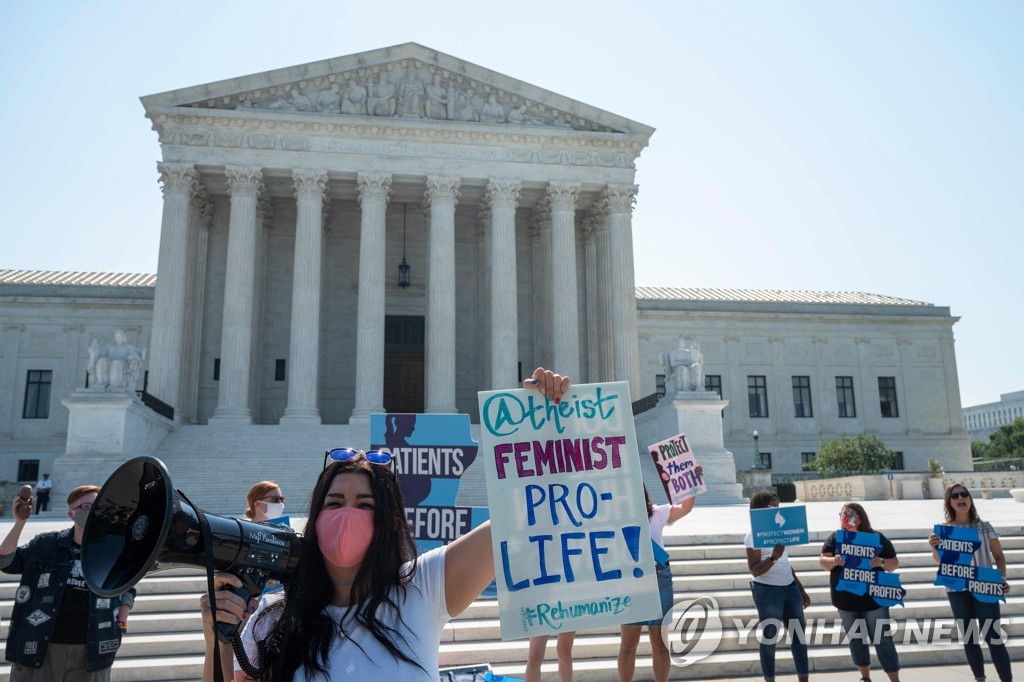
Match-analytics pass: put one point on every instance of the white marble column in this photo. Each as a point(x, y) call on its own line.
point(503, 196)
point(304, 349)
point(540, 226)
point(179, 184)
point(244, 184)
point(589, 235)
point(483, 294)
point(605, 334)
point(439, 374)
point(374, 192)
point(625, 345)
point(199, 225)
point(565, 325)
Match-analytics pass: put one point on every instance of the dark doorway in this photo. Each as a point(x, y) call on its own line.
point(403, 363)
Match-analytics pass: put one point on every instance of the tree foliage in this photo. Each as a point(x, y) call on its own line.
point(851, 455)
point(1007, 442)
point(979, 449)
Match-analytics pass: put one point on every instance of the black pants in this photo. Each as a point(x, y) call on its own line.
point(42, 500)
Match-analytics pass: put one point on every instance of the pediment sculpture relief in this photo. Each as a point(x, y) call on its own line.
point(417, 91)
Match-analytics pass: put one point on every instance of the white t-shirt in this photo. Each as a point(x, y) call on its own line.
point(424, 614)
point(780, 574)
point(658, 521)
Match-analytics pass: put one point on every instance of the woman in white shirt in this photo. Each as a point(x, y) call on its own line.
point(362, 605)
point(778, 596)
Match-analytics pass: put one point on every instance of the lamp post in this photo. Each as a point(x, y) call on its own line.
point(757, 453)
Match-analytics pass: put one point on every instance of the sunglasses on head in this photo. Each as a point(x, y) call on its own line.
point(957, 496)
point(345, 454)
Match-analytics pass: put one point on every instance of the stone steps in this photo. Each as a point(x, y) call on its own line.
point(165, 641)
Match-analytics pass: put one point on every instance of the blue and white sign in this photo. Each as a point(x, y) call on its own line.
point(957, 545)
point(857, 575)
point(571, 539)
point(775, 525)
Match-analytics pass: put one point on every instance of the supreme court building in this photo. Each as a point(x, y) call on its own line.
point(399, 229)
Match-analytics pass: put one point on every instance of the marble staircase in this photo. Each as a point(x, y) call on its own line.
point(165, 641)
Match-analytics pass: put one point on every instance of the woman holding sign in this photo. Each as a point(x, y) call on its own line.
point(362, 605)
point(778, 596)
point(658, 517)
point(861, 614)
point(972, 615)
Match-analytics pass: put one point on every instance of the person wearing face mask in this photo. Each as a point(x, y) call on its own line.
point(59, 629)
point(264, 502)
point(362, 604)
point(861, 615)
point(973, 616)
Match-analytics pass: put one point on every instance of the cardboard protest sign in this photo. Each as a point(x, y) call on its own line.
point(858, 577)
point(571, 540)
point(677, 468)
point(774, 525)
point(956, 550)
point(431, 452)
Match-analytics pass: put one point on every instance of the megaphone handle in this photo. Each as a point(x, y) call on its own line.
point(225, 631)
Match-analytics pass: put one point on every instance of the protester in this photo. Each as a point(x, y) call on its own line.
point(778, 596)
point(861, 615)
point(264, 502)
point(535, 657)
point(359, 576)
point(43, 488)
point(971, 615)
point(59, 629)
point(658, 517)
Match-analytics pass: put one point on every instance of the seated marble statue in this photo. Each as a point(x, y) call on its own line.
point(382, 103)
point(684, 368)
point(329, 101)
point(492, 112)
point(410, 96)
point(115, 367)
point(354, 102)
point(437, 99)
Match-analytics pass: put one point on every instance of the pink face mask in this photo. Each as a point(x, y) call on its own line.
point(850, 520)
point(344, 535)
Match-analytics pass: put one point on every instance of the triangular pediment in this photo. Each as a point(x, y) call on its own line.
point(406, 82)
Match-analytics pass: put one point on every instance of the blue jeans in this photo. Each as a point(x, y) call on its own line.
point(975, 617)
point(780, 605)
point(868, 632)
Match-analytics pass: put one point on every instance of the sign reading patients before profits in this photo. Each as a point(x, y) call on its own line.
point(774, 525)
point(571, 540)
point(957, 570)
point(677, 468)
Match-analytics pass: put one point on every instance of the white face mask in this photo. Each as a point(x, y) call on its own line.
point(274, 509)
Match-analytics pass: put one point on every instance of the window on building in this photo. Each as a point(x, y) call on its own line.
point(887, 397)
point(844, 397)
point(713, 382)
point(216, 369)
point(766, 460)
point(659, 384)
point(757, 396)
point(279, 365)
point(806, 458)
point(28, 470)
point(802, 397)
point(37, 394)
point(897, 462)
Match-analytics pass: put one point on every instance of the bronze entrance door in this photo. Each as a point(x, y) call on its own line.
point(403, 363)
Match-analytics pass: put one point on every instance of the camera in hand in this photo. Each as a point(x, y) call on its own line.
point(140, 523)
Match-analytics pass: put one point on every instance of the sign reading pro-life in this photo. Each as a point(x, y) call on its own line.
point(571, 540)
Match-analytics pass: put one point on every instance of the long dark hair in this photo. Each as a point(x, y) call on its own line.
point(947, 505)
point(865, 522)
point(650, 505)
point(303, 634)
point(762, 499)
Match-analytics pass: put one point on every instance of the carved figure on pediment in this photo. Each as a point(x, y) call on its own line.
point(517, 115)
point(300, 101)
point(244, 102)
point(354, 102)
point(464, 109)
point(410, 95)
point(382, 101)
point(492, 112)
point(438, 99)
point(279, 104)
point(115, 367)
point(329, 101)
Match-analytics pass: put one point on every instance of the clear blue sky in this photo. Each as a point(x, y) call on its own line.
point(868, 146)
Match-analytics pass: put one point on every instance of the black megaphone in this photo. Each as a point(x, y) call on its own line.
point(140, 523)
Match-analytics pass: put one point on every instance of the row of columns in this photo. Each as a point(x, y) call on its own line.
point(612, 337)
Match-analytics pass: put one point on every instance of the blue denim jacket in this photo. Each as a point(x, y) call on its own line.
point(45, 565)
